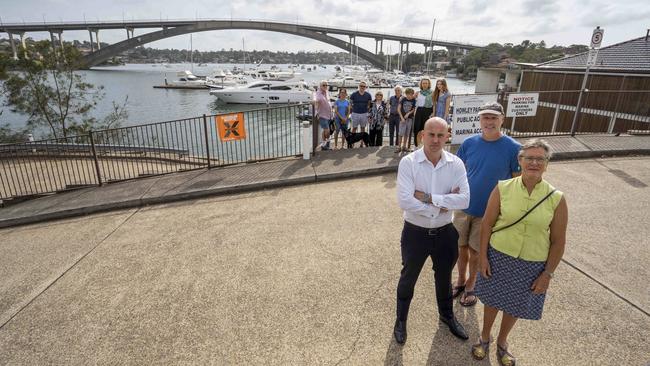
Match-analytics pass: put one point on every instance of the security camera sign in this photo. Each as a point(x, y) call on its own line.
point(522, 104)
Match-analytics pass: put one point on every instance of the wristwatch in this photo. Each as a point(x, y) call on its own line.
point(427, 198)
point(548, 273)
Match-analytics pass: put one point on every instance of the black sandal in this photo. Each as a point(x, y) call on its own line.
point(463, 299)
point(457, 291)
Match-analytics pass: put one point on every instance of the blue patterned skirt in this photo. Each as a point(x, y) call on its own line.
point(508, 289)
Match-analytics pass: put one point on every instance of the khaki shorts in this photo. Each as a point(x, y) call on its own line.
point(469, 229)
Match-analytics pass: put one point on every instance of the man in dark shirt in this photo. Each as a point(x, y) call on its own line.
point(361, 100)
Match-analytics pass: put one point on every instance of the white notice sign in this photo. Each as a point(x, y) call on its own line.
point(522, 104)
point(466, 121)
point(591, 57)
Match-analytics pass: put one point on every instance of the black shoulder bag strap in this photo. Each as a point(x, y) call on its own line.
point(526, 214)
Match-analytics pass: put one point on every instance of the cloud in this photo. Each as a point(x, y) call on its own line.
point(534, 8)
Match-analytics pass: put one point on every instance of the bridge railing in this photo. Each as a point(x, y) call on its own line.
point(104, 156)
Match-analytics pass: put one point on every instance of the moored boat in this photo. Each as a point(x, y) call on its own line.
point(266, 92)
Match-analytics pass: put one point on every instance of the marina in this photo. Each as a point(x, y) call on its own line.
point(147, 104)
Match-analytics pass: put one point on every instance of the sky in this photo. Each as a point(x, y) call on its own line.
point(557, 22)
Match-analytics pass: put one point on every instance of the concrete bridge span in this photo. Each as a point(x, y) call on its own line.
point(178, 27)
point(106, 53)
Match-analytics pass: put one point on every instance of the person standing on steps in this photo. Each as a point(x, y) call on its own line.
point(423, 107)
point(360, 100)
point(324, 111)
point(442, 99)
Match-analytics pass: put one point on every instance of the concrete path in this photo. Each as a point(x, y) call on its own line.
point(324, 166)
point(306, 275)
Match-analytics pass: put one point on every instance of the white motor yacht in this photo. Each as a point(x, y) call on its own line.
point(266, 92)
point(223, 79)
point(186, 80)
point(345, 82)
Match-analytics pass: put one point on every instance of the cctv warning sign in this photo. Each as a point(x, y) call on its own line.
point(231, 126)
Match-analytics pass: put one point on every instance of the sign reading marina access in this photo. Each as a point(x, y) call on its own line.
point(231, 126)
point(466, 120)
point(522, 104)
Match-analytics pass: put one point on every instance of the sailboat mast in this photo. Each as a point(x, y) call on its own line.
point(191, 55)
point(430, 55)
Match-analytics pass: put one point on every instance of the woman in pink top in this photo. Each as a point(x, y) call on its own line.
point(324, 111)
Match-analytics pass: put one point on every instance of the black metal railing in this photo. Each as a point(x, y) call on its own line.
point(103, 156)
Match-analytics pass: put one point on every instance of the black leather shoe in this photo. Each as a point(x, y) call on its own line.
point(455, 327)
point(400, 331)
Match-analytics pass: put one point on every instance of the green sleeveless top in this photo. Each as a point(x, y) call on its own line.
point(530, 238)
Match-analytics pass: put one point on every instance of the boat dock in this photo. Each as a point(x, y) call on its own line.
point(169, 86)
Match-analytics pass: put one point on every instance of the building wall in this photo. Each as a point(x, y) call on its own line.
point(614, 103)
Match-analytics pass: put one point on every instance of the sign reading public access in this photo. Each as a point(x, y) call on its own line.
point(231, 126)
point(522, 104)
point(466, 120)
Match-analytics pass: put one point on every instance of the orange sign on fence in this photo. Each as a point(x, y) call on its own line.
point(231, 126)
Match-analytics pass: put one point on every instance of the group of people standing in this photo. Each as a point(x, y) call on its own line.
point(408, 112)
point(491, 204)
point(405, 112)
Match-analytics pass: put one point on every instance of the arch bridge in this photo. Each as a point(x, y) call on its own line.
point(179, 27)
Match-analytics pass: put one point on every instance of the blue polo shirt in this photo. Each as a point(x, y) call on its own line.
point(487, 162)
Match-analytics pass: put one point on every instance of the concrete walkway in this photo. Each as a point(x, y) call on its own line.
point(306, 275)
point(328, 165)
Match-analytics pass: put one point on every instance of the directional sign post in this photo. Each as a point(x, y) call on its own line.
point(231, 126)
point(596, 40)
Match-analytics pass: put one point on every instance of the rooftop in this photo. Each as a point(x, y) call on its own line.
point(628, 56)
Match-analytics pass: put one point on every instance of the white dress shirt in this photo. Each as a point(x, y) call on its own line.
point(416, 172)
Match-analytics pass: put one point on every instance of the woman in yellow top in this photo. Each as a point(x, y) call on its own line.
point(517, 262)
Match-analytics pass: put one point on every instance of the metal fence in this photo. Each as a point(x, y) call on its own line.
point(54, 165)
point(47, 166)
point(600, 111)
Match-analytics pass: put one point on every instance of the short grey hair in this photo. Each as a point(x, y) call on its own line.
point(536, 143)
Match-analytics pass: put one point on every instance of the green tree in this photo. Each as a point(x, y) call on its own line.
point(48, 89)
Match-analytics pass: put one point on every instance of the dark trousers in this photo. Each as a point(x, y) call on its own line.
point(393, 129)
point(421, 115)
point(417, 245)
point(376, 137)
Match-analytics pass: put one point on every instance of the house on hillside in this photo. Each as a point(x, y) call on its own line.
point(616, 98)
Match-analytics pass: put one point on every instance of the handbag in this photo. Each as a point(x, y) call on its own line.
point(526, 214)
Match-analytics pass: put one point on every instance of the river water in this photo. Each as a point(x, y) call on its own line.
point(146, 104)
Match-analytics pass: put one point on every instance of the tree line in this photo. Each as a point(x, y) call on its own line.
point(45, 86)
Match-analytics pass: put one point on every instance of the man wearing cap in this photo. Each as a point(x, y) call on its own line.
point(488, 157)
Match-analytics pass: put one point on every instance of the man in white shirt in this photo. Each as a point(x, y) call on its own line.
point(431, 182)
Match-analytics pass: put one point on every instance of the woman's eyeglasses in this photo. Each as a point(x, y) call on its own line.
point(530, 159)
